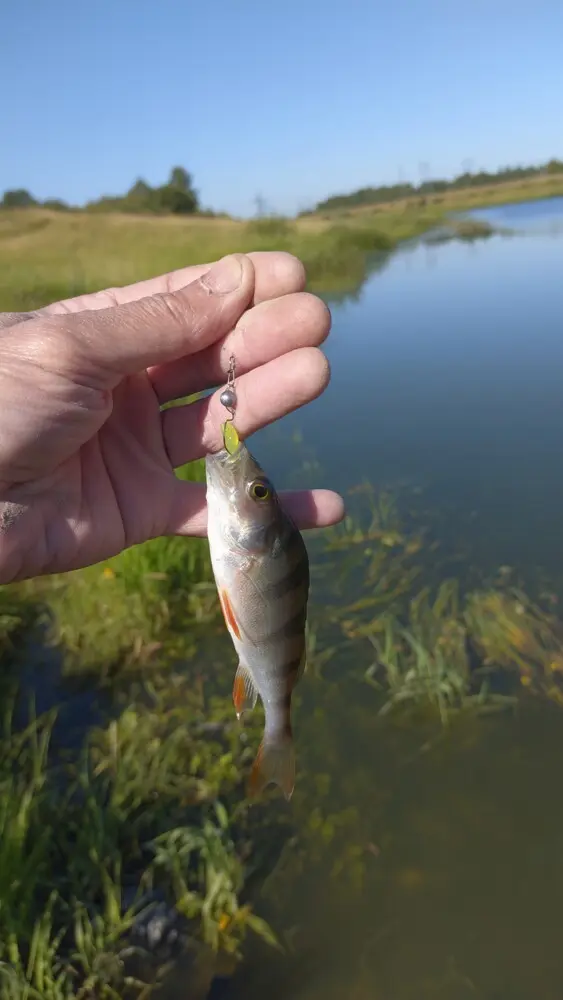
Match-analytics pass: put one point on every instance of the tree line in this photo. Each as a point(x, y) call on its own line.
point(396, 192)
point(178, 196)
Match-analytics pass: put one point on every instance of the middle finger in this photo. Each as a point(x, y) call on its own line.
point(262, 334)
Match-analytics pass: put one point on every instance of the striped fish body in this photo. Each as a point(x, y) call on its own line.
point(261, 570)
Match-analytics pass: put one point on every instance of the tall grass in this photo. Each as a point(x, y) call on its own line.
point(48, 256)
point(86, 845)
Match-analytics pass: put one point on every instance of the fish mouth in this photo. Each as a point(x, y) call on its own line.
point(228, 470)
point(223, 468)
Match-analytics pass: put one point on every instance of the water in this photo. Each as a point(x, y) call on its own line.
point(447, 376)
point(447, 384)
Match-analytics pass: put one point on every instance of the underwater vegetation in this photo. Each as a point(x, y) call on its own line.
point(128, 848)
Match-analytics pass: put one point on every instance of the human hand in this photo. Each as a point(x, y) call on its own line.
point(87, 457)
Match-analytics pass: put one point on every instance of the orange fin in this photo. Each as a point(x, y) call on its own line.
point(228, 613)
point(274, 764)
point(244, 691)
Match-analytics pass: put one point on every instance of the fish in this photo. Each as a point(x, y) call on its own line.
point(261, 570)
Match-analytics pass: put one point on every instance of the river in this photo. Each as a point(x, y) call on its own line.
point(447, 377)
point(447, 385)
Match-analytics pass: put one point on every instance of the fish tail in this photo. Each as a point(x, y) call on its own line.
point(274, 764)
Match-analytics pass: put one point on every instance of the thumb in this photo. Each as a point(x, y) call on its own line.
point(102, 346)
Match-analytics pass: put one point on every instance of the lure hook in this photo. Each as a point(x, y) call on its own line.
point(228, 397)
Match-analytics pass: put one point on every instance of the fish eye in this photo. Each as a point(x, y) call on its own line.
point(260, 490)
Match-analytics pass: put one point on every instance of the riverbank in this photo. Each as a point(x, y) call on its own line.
point(45, 256)
point(459, 200)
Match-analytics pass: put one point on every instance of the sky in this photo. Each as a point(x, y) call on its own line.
point(289, 101)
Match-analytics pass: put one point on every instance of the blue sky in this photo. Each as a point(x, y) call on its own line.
point(292, 100)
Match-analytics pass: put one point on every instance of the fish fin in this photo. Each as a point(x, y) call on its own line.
point(228, 613)
point(274, 764)
point(244, 690)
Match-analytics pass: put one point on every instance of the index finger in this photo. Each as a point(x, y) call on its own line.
point(276, 273)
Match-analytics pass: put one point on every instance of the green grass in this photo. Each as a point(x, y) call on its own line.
point(149, 602)
point(45, 256)
point(143, 807)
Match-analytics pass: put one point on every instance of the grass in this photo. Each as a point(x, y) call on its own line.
point(45, 256)
point(152, 600)
point(140, 811)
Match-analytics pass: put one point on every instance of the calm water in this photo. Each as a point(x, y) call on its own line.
point(447, 376)
point(447, 379)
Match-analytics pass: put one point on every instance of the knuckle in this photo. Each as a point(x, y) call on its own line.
point(180, 309)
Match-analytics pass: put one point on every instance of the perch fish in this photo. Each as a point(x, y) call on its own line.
point(261, 570)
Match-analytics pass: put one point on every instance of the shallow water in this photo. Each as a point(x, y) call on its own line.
point(447, 384)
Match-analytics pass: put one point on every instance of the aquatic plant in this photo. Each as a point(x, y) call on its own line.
point(514, 633)
point(89, 845)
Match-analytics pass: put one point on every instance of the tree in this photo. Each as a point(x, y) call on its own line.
point(18, 198)
point(181, 179)
point(141, 191)
point(171, 199)
point(56, 204)
point(179, 195)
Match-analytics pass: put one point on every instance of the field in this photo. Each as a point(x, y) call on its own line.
point(46, 256)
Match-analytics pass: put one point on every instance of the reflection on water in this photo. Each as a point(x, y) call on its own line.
point(545, 216)
point(441, 876)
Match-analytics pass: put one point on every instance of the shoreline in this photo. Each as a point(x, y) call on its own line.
point(47, 255)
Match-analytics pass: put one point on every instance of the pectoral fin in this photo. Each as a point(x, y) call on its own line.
point(244, 691)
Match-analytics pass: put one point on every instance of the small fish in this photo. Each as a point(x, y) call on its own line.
point(261, 570)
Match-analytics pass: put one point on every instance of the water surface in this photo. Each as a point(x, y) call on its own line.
point(447, 375)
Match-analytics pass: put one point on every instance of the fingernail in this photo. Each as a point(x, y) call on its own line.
point(225, 276)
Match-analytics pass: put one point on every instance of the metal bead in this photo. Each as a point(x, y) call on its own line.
point(228, 398)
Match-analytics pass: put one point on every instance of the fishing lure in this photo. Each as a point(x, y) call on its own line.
point(228, 399)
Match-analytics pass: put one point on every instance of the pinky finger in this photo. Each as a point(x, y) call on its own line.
point(308, 508)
